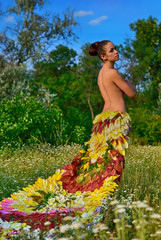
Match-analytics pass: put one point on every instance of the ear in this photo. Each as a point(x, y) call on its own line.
point(104, 58)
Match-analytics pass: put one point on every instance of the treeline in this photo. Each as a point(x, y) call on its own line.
point(56, 100)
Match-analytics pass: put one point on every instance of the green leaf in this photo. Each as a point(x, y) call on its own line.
point(91, 167)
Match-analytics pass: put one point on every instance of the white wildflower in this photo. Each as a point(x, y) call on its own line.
point(141, 205)
point(68, 218)
point(120, 206)
point(47, 223)
point(103, 228)
point(156, 216)
point(138, 227)
point(158, 232)
point(95, 230)
point(134, 221)
point(121, 210)
point(149, 209)
point(77, 225)
point(114, 202)
point(64, 228)
point(116, 220)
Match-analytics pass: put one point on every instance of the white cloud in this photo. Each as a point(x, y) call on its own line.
point(9, 19)
point(98, 20)
point(83, 13)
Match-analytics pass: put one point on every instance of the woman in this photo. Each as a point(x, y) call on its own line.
point(110, 128)
point(111, 84)
point(78, 188)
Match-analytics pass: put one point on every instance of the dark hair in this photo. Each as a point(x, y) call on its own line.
point(98, 48)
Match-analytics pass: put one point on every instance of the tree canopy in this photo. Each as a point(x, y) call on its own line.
point(142, 56)
point(61, 78)
point(34, 32)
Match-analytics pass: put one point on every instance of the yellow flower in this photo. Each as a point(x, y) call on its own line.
point(85, 158)
point(103, 116)
point(86, 166)
point(82, 151)
point(98, 147)
point(94, 199)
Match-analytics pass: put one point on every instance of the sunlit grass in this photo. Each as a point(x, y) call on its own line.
point(132, 213)
point(24, 166)
point(142, 174)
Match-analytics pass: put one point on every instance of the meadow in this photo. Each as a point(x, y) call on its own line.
point(133, 212)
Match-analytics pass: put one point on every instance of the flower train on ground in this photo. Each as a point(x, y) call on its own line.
point(78, 187)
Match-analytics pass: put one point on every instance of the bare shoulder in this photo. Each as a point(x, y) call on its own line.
point(113, 73)
point(109, 75)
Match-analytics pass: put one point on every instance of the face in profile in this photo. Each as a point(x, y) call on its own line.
point(111, 53)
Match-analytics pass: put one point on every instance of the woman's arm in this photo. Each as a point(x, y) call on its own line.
point(130, 85)
point(124, 85)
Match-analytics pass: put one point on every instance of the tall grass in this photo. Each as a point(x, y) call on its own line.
point(23, 166)
point(142, 175)
point(132, 213)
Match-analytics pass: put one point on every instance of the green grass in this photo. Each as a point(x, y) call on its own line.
point(132, 216)
point(22, 167)
point(142, 174)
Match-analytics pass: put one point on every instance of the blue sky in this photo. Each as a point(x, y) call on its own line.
point(99, 19)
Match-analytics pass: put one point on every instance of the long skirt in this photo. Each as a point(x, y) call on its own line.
point(79, 187)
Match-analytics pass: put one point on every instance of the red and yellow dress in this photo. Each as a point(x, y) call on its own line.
point(79, 187)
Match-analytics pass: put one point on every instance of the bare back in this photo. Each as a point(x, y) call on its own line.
point(113, 96)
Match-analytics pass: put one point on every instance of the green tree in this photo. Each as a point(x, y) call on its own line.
point(57, 73)
point(142, 57)
point(157, 110)
point(59, 61)
point(33, 33)
point(88, 69)
point(14, 80)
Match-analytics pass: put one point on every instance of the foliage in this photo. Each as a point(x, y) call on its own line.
point(45, 96)
point(32, 33)
point(145, 126)
point(57, 73)
point(142, 56)
point(78, 117)
point(157, 110)
point(88, 69)
point(28, 121)
point(14, 80)
point(75, 84)
point(79, 134)
point(57, 62)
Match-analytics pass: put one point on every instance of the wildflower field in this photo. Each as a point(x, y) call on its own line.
point(132, 212)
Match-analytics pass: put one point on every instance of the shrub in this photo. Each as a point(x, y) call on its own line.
point(157, 110)
point(27, 120)
point(80, 121)
point(14, 79)
point(145, 126)
point(78, 134)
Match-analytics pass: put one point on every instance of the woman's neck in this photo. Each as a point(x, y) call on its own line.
point(109, 64)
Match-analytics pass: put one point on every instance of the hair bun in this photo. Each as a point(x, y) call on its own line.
point(93, 49)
